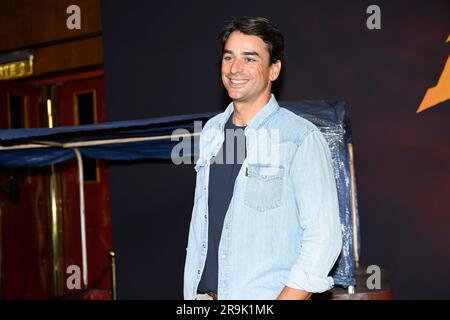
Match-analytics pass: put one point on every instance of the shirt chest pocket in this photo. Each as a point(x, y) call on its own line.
point(264, 186)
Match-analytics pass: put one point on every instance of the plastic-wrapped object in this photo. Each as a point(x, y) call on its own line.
point(332, 120)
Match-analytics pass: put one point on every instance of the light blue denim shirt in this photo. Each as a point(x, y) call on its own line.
point(282, 227)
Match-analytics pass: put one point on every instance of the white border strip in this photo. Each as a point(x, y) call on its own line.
point(70, 145)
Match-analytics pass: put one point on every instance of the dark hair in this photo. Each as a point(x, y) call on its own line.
point(260, 27)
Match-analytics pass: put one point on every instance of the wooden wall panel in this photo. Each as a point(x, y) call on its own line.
point(27, 23)
point(68, 56)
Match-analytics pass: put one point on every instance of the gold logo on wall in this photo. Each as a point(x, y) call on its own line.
point(16, 69)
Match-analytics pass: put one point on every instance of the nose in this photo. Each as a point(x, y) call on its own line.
point(236, 66)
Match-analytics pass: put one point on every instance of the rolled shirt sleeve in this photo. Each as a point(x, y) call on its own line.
point(318, 208)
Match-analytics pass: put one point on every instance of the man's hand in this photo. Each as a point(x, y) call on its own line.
point(294, 294)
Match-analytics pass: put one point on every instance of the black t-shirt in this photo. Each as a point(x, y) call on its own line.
point(222, 175)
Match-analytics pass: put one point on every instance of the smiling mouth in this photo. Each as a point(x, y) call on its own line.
point(237, 82)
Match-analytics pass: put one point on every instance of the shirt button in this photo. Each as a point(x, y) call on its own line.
point(206, 217)
point(204, 246)
point(223, 256)
point(198, 271)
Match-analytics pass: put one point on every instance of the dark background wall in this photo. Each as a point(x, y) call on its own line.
point(162, 58)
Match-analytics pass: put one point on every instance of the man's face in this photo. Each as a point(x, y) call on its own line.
point(246, 72)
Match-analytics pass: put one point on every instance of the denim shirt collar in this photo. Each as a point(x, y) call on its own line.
point(215, 140)
point(258, 119)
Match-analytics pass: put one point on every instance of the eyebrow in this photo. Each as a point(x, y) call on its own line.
point(245, 53)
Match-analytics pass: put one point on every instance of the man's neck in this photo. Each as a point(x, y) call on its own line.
point(243, 112)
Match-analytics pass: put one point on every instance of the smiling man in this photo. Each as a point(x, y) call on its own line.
point(265, 225)
point(247, 74)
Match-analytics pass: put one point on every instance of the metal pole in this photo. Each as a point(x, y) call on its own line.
point(56, 222)
point(82, 217)
point(112, 255)
point(56, 217)
point(354, 204)
point(72, 145)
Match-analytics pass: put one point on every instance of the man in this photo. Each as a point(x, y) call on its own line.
point(266, 227)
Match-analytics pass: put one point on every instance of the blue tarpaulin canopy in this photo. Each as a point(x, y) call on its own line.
point(154, 139)
point(127, 140)
point(120, 140)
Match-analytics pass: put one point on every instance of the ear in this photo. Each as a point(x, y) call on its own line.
point(275, 69)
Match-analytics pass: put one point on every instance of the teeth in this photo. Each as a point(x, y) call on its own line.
point(238, 81)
